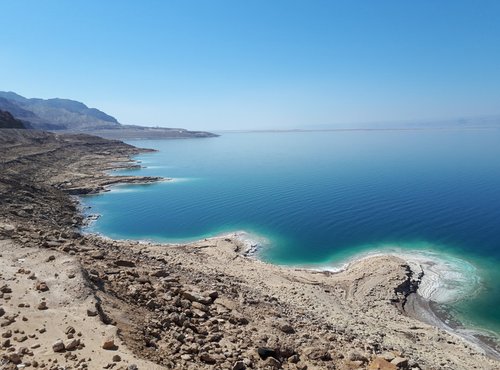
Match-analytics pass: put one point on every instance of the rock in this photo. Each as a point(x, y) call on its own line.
point(72, 344)
point(108, 344)
point(400, 362)
point(287, 328)
point(124, 263)
point(200, 306)
point(272, 363)
point(5, 289)
point(238, 319)
point(41, 286)
point(389, 356)
point(238, 365)
point(42, 305)
point(207, 358)
point(117, 358)
point(213, 294)
point(356, 356)
point(265, 352)
point(132, 367)
point(92, 312)
point(318, 353)
point(379, 363)
point(2, 311)
point(98, 255)
point(70, 330)
point(160, 273)
point(58, 346)
point(15, 358)
point(196, 297)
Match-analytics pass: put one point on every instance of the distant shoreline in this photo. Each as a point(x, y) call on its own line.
point(468, 128)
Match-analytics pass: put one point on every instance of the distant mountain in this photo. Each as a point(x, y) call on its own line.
point(8, 121)
point(70, 115)
point(55, 114)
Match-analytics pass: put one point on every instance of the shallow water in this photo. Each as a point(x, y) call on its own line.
point(320, 198)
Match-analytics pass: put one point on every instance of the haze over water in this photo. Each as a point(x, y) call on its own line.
point(320, 198)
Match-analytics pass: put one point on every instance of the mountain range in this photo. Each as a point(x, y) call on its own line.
point(73, 116)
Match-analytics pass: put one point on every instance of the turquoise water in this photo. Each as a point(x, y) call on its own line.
point(320, 198)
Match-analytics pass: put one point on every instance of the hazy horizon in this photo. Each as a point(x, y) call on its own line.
point(260, 65)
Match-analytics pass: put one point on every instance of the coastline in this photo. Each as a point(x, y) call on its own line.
point(196, 305)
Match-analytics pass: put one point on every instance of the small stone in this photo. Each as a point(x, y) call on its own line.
point(70, 330)
point(42, 305)
point(124, 263)
point(272, 363)
point(41, 286)
point(400, 362)
point(98, 255)
point(356, 356)
point(287, 329)
point(72, 344)
point(380, 363)
point(160, 273)
point(92, 312)
point(239, 365)
point(389, 356)
point(117, 358)
point(265, 352)
point(108, 344)
point(58, 346)
point(15, 358)
point(206, 358)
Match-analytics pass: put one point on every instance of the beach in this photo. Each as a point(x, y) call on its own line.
point(205, 304)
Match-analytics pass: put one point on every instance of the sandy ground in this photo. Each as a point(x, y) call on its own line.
point(67, 300)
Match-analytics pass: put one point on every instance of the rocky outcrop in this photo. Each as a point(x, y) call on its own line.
point(8, 121)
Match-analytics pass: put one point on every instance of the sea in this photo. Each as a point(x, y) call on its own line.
point(322, 199)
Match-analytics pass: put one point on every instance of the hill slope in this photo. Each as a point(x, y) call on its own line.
point(73, 116)
point(8, 121)
point(55, 114)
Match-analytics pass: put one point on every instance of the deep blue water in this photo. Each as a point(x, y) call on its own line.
point(322, 197)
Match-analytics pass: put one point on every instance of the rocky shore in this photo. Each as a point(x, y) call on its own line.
point(74, 301)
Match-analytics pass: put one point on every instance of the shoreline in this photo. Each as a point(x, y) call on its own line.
point(423, 309)
point(197, 305)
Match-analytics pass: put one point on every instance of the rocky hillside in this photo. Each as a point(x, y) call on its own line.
point(53, 114)
point(8, 121)
point(73, 116)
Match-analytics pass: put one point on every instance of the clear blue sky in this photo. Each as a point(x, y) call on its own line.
point(213, 64)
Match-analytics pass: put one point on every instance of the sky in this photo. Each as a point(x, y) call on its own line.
point(257, 64)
